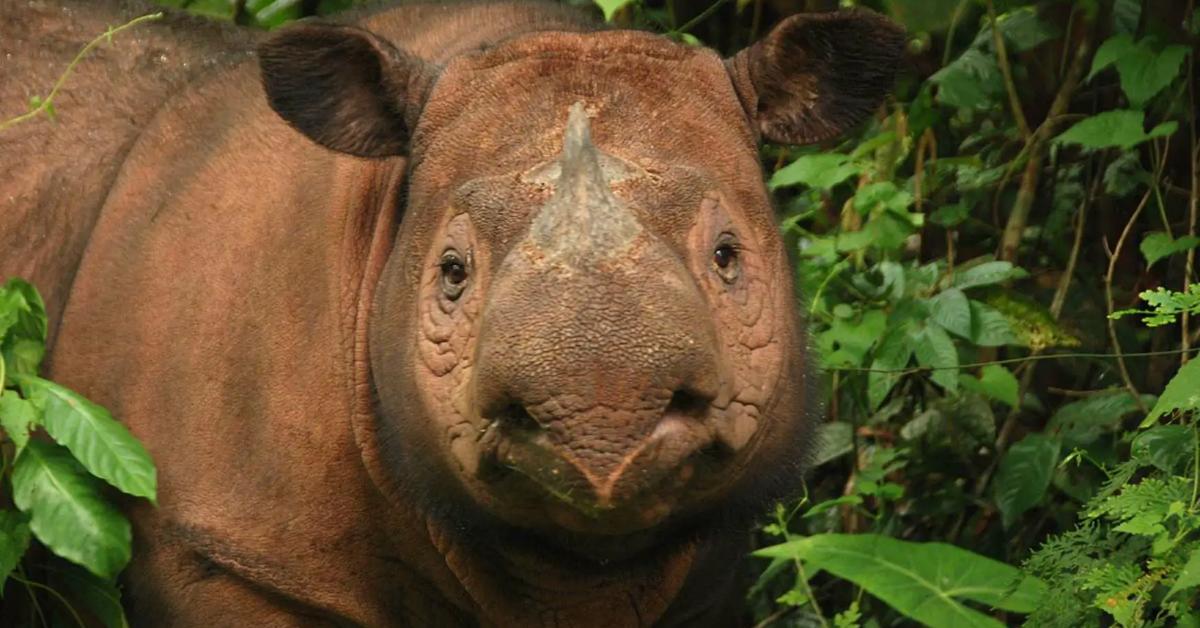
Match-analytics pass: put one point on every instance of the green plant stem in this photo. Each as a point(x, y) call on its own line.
point(1190, 260)
point(47, 103)
point(58, 596)
point(955, 18)
point(1014, 100)
point(1108, 300)
point(704, 15)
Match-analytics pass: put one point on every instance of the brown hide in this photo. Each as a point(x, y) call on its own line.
point(216, 270)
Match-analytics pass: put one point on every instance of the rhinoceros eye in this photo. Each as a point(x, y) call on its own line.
point(725, 260)
point(454, 274)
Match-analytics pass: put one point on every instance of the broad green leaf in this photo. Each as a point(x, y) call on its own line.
point(819, 171)
point(1080, 423)
point(14, 540)
point(1146, 73)
point(952, 311)
point(893, 354)
point(985, 274)
point(925, 581)
point(990, 328)
point(1165, 446)
point(100, 597)
point(972, 81)
point(67, 512)
point(102, 445)
point(1189, 576)
point(997, 382)
point(1024, 475)
point(31, 311)
point(833, 440)
point(935, 350)
point(17, 417)
point(1119, 128)
point(1126, 15)
point(1107, 54)
point(847, 342)
point(610, 7)
point(23, 356)
point(1022, 28)
point(1182, 394)
point(1158, 245)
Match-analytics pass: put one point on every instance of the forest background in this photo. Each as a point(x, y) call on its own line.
point(999, 273)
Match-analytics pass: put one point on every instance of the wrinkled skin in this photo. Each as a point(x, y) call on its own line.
point(468, 315)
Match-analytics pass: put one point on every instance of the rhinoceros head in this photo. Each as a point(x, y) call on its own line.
point(587, 327)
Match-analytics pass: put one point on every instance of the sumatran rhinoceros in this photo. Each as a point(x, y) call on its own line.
point(444, 315)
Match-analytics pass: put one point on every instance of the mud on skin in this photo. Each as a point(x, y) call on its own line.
point(505, 334)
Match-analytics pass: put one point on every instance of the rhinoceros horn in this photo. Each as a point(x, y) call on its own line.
point(583, 222)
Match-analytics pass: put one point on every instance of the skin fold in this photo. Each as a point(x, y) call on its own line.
point(467, 314)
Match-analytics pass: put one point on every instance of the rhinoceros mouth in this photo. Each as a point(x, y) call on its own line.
point(664, 476)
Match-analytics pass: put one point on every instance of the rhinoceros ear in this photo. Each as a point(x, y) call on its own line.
point(343, 87)
point(818, 74)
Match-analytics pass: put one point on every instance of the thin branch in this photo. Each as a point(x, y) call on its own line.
point(1108, 287)
point(46, 105)
point(704, 15)
point(1190, 263)
point(1014, 100)
point(1010, 242)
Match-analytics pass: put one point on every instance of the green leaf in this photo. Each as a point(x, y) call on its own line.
point(893, 354)
point(67, 512)
point(14, 540)
point(1080, 423)
point(1189, 576)
point(985, 274)
point(924, 581)
point(952, 311)
point(104, 447)
point(1164, 446)
point(935, 350)
point(990, 328)
point(833, 440)
point(17, 417)
point(1119, 128)
point(1024, 475)
point(1107, 54)
point(1182, 394)
point(972, 81)
point(23, 356)
point(820, 171)
point(997, 382)
point(31, 311)
point(610, 7)
point(1158, 245)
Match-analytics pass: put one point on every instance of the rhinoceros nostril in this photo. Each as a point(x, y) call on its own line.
point(515, 417)
point(687, 403)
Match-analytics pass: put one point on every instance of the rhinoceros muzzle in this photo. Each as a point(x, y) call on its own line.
point(598, 364)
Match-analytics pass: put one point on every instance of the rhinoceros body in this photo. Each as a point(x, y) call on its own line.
point(458, 315)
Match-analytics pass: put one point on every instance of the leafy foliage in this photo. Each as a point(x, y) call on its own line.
point(55, 484)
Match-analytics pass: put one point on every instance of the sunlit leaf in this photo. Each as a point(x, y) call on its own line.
point(925, 581)
point(104, 447)
point(820, 171)
point(1158, 245)
point(17, 417)
point(1119, 128)
point(610, 7)
point(996, 382)
point(67, 512)
point(1182, 394)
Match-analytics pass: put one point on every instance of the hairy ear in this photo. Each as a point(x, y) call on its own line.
point(818, 74)
point(343, 87)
